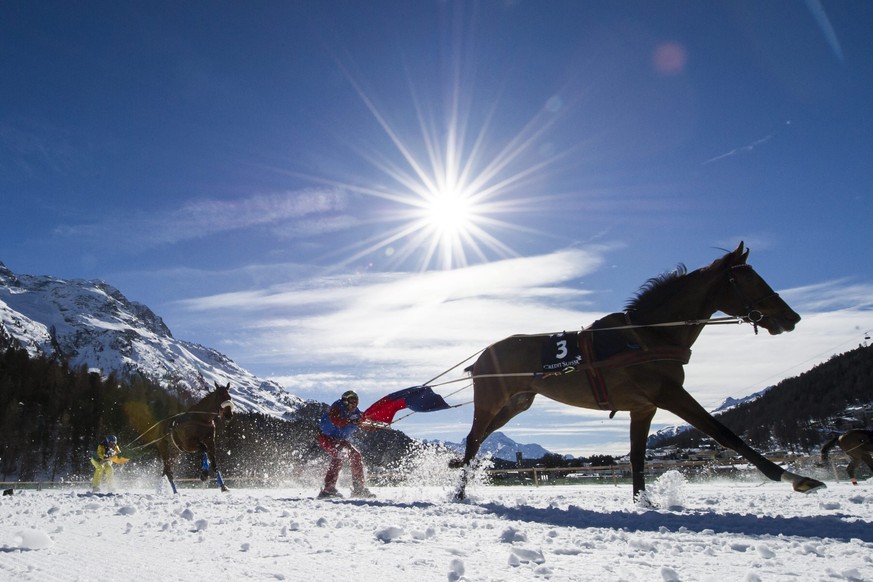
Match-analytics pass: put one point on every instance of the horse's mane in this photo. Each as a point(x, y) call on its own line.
point(653, 291)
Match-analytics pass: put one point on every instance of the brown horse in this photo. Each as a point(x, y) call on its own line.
point(193, 431)
point(858, 444)
point(659, 326)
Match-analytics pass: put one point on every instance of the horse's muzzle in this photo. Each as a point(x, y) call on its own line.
point(783, 323)
point(227, 409)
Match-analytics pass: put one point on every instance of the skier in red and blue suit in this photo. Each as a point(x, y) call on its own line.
point(337, 425)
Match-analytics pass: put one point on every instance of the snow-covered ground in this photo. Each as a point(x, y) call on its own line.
point(721, 531)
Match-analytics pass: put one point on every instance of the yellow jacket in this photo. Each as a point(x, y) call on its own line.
point(109, 453)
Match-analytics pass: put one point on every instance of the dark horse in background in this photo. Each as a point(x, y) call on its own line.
point(665, 318)
point(193, 431)
point(858, 444)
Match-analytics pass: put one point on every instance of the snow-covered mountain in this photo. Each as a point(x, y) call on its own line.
point(729, 402)
point(734, 402)
point(90, 323)
point(502, 447)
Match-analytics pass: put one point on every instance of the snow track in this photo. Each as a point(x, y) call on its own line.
point(726, 531)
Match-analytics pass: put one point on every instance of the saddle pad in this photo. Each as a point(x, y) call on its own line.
point(611, 342)
point(561, 352)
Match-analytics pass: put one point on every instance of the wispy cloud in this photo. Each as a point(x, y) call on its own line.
point(832, 295)
point(741, 150)
point(404, 320)
point(32, 147)
point(321, 210)
point(827, 29)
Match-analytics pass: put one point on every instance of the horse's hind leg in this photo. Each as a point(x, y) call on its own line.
point(641, 422)
point(516, 405)
point(857, 456)
point(485, 422)
point(168, 458)
point(850, 469)
point(868, 459)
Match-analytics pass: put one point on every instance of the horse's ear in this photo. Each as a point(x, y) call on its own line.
point(741, 254)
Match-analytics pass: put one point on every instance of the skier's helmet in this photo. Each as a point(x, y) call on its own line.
point(350, 396)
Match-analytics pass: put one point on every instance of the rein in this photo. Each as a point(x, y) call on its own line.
point(853, 448)
point(752, 317)
point(709, 321)
point(225, 404)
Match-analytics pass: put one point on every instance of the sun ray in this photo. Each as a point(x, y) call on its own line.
point(450, 196)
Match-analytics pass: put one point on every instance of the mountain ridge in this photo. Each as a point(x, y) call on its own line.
point(92, 324)
point(499, 445)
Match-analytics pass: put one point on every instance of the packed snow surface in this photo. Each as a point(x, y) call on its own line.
point(690, 531)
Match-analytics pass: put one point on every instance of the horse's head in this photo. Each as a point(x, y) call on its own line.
point(746, 294)
point(225, 403)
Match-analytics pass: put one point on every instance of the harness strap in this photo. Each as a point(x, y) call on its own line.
point(858, 446)
point(173, 438)
point(595, 380)
point(171, 431)
point(656, 354)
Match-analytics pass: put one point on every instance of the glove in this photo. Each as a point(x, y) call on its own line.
point(355, 419)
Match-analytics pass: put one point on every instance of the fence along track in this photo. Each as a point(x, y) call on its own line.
point(538, 475)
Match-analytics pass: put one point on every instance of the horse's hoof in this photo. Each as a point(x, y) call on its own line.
point(225, 489)
point(811, 486)
point(643, 501)
point(806, 484)
point(456, 463)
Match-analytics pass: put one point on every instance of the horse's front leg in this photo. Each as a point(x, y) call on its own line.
point(210, 453)
point(641, 422)
point(680, 403)
point(205, 464)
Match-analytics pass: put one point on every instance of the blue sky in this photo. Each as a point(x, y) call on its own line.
point(362, 195)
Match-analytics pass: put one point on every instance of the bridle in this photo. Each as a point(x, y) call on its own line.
point(753, 315)
point(173, 419)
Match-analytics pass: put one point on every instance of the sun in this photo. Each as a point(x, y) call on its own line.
point(447, 222)
point(449, 212)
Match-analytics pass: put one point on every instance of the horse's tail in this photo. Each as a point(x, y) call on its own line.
point(827, 447)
